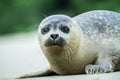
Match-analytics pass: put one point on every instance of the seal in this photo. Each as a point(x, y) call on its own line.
point(88, 43)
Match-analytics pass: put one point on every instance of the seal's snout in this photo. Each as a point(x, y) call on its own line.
point(54, 36)
point(55, 40)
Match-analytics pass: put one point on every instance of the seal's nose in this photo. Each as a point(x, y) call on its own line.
point(54, 36)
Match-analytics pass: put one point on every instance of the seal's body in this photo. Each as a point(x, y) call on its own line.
point(88, 43)
point(101, 34)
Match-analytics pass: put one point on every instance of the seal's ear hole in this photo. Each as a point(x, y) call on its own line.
point(64, 28)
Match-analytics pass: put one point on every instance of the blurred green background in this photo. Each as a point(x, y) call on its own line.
point(25, 15)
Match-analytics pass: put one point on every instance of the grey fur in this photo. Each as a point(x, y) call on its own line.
point(99, 22)
point(101, 26)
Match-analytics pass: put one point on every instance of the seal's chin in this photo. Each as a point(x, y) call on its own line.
point(58, 42)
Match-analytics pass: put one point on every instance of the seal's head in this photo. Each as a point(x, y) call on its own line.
point(56, 31)
point(59, 38)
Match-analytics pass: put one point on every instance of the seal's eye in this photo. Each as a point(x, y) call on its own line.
point(45, 30)
point(64, 29)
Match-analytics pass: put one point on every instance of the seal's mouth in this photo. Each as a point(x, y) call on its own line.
point(59, 42)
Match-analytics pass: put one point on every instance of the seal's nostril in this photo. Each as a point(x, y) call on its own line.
point(54, 36)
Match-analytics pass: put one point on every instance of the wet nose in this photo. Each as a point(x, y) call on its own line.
point(54, 36)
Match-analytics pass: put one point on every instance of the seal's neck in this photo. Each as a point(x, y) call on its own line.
point(56, 54)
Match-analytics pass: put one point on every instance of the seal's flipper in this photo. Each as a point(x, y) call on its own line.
point(37, 74)
point(116, 61)
point(103, 64)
